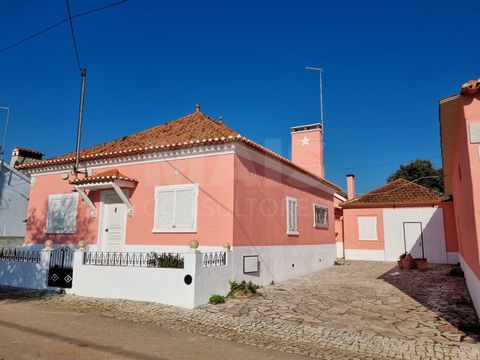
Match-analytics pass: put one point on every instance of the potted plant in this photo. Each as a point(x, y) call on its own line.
point(421, 264)
point(400, 262)
point(407, 261)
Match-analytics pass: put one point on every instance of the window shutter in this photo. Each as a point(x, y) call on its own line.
point(165, 209)
point(62, 213)
point(291, 215)
point(54, 222)
point(367, 228)
point(69, 212)
point(184, 209)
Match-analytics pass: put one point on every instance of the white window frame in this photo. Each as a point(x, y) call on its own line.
point(320, 226)
point(158, 189)
point(376, 227)
point(72, 230)
point(287, 202)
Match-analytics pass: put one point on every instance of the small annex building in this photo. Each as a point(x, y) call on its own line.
point(396, 218)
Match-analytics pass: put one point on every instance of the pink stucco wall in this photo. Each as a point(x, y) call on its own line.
point(309, 154)
point(350, 226)
point(260, 208)
point(338, 220)
point(248, 211)
point(451, 240)
point(466, 188)
point(215, 203)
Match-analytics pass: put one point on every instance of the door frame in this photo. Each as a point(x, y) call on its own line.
point(102, 220)
point(421, 235)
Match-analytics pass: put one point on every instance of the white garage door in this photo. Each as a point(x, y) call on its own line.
point(419, 231)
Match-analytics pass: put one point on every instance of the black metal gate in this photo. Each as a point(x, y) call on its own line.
point(60, 273)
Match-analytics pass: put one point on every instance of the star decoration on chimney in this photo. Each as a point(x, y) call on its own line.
point(305, 141)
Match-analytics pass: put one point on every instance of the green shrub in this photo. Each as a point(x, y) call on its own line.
point(242, 289)
point(216, 299)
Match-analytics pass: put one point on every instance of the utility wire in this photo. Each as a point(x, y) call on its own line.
point(53, 26)
point(398, 188)
point(73, 35)
point(377, 165)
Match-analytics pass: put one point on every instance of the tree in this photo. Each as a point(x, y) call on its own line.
point(431, 177)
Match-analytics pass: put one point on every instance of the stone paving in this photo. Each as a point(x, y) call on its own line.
point(359, 310)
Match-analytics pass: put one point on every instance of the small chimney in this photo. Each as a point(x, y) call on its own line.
point(350, 186)
point(307, 148)
point(21, 156)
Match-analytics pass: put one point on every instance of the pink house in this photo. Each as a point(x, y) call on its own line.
point(460, 140)
point(399, 217)
point(192, 178)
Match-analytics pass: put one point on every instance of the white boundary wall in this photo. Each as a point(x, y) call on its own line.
point(473, 284)
point(279, 263)
point(161, 285)
point(167, 285)
point(25, 274)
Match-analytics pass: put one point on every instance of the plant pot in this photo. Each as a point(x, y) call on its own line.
point(400, 264)
point(421, 264)
point(407, 262)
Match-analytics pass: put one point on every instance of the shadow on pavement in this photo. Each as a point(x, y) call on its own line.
point(445, 295)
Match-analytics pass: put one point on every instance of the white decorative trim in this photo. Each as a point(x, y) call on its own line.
point(190, 153)
point(91, 205)
point(133, 159)
point(289, 199)
point(365, 254)
point(124, 199)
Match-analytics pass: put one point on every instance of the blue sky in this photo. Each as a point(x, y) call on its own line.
point(386, 66)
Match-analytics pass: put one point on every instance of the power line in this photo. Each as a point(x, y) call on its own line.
point(53, 26)
point(72, 31)
point(377, 165)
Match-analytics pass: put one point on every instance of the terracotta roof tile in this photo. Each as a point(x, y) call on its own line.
point(103, 176)
point(398, 192)
point(195, 129)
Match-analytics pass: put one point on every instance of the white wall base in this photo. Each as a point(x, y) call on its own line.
point(453, 258)
point(473, 284)
point(339, 246)
point(362, 254)
point(280, 263)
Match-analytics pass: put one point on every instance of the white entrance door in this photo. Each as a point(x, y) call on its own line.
point(413, 239)
point(113, 222)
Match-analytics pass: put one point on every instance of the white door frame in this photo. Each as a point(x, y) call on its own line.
point(102, 220)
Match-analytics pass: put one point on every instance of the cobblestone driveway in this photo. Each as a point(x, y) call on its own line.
point(360, 310)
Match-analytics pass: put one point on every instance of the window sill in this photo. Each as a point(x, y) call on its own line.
point(367, 239)
point(174, 231)
point(60, 231)
point(293, 233)
point(321, 227)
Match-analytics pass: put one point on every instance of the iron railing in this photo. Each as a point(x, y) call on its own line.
point(19, 255)
point(211, 259)
point(134, 259)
